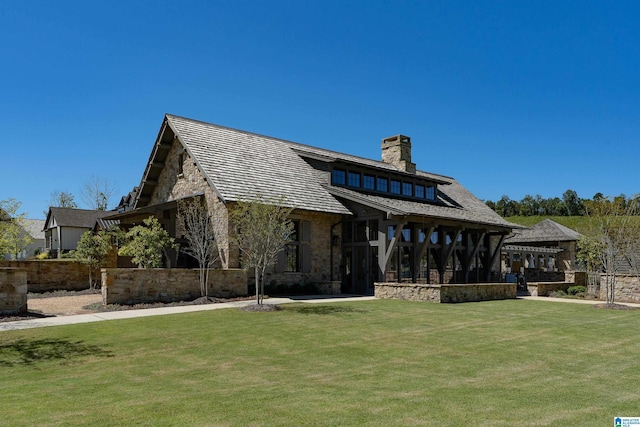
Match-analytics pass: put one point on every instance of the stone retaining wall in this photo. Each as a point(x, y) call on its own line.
point(13, 291)
point(50, 275)
point(627, 288)
point(137, 285)
point(450, 293)
point(543, 289)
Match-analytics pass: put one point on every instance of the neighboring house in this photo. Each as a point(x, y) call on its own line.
point(358, 221)
point(64, 227)
point(32, 227)
point(546, 245)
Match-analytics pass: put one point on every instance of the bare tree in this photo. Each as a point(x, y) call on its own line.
point(220, 216)
point(262, 228)
point(97, 193)
point(197, 225)
point(62, 199)
point(616, 231)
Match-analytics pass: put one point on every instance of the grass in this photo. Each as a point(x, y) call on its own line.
point(379, 363)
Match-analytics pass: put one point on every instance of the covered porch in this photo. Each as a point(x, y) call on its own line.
point(414, 249)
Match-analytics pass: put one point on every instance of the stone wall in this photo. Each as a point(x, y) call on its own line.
point(451, 293)
point(543, 289)
point(49, 275)
point(627, 288)
point(13, 291)
point(136, 285)
point(576, 278)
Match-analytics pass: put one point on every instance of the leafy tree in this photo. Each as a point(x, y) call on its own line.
point(93, 250)
point(262, 229)
point(97, 193)
point(198, 227)
point(146, 243)
point(617, 236)
point(573, 203)
point(13, 235)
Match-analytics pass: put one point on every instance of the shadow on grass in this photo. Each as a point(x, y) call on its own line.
point(323, 309)
point(30, 352)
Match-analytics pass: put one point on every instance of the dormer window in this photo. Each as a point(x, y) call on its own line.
point(366, 181)
point(338, 177)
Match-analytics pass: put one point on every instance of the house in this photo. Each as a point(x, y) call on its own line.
point(33, 228)
point(64, 227)
point(357, 220)
point(546, 245)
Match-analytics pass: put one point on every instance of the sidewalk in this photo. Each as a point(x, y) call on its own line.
point(128, 314)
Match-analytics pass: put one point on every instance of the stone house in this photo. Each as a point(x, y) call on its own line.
point(358, 221)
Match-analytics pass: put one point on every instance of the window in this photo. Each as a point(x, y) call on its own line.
point(407, 189)
point(382, 184)
point(292, 250)
point(395, 186)
point(368, 182)
point(431, 193)
point(419, 191)
point(338, 177)
point(354, 179)
point(181, 158)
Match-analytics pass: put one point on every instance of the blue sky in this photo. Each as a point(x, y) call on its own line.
point(508, 97)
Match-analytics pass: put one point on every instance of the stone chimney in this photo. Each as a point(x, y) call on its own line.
point(396, 150)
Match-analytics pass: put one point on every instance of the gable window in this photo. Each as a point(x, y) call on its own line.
point(368, 182)
point(395, 186)
point(339, 177)
point(407, 189)
point(354, 179)
point(418, 191)
point(382, 184)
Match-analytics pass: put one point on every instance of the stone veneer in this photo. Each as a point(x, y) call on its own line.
point(13, 291)
point(627, 288)
point(138, 285)
point(450, 293)
point(543, 289)
point(49, 275)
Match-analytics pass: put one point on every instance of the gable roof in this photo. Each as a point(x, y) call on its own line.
point(239, 164)
point(34, 227)
point(544, 231)
point(69, 217)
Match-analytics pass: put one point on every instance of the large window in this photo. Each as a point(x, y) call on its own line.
point(292, 250)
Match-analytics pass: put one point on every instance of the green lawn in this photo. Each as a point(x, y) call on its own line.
point(382, 362)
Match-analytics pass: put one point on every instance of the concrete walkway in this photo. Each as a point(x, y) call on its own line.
point(128, 314)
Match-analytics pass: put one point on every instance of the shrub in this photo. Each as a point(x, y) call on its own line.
point(43, 255)
point(574, 290)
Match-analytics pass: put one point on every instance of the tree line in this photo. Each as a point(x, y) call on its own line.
point(569, 205)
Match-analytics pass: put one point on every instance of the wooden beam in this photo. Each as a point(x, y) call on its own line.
point(496, 253)
point(388, 250)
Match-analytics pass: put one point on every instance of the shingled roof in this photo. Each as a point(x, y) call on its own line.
point(544, 231)
point(240, 164)
point(68, 217)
